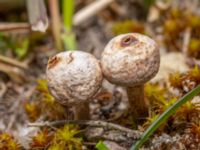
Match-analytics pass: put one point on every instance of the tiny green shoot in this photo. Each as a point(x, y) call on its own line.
point(101, 146)
point(68, 36)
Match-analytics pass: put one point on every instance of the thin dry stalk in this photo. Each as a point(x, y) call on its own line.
point(92, 123)
point(13, 62)
point(56, 23)
point(13, 26)
point(186, 40)
point(90, 11)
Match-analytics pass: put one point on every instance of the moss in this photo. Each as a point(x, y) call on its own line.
point(161, 98)
point(59, 139)
point(127, 26)
point(185, 82)
point(65, 137)
point(7, 142)
point(194, 48)
point(44, 105)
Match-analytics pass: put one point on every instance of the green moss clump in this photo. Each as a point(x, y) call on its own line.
point(7, 142)
point(127, 26)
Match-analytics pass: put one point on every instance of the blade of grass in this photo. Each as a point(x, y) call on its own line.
point(68, 36)
point(37, 15)
point(101, 146)
point(164, 116)
point(68, 10)
point(69, 40)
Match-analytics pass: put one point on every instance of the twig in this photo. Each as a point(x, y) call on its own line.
point(93, 123)
point(13, 72)
point(90, 11)
point(118, 9)
point(3, 89)
point(55, 20)
point(13, 62)
point(14, 26)
point(116, 136)
point(186, 40)
point(90, 143)
point(13, 118)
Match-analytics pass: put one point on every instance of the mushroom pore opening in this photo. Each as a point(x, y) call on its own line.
point(128, 40)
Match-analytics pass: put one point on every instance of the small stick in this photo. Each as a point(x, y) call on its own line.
point(55, 22)
point(186, 40)
point(14, 73)
point(89, 143)
point(14, 26)
point(13, 62)
point(90, 11)
point(93, 123)
point(3, 88)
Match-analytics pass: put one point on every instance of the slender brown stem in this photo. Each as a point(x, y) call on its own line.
point(4, 26)
point(56, 23)
point(13, 62)
point(138, 105)
point(92, 123)
point(82, 111)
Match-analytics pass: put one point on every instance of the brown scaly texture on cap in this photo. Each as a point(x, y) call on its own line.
point(130, 59)
point(73, 76)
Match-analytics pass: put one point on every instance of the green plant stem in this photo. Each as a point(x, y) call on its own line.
point(164, 116)
point(56, 24)
point(68, 10)
point(68, 36)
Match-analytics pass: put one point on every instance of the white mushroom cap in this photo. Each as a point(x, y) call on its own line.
point(73, 76)
point(130, 59)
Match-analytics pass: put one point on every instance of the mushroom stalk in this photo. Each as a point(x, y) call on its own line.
point(82, 111)
point(131, 60)
point(136, 99)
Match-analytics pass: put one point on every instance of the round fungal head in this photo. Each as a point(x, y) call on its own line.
point(130, 59)
point(73, 76)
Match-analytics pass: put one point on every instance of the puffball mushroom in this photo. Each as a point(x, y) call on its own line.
point(131, 60)
point(73, 79)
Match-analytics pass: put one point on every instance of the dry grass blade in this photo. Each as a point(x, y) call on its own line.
point(13, 62)
point(37, 15)
point(90, 11)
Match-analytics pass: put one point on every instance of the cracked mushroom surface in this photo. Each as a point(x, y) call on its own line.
point(130, 59)
point(73, 76)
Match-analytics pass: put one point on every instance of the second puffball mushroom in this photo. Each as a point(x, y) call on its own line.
point(73, 79)
point(131, 60)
